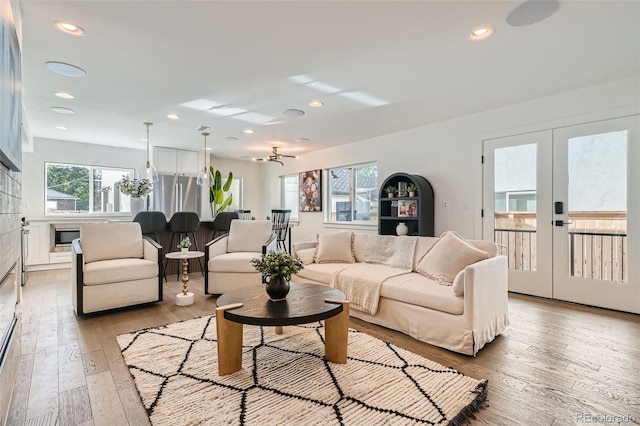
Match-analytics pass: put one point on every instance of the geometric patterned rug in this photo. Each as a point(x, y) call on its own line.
point(286, 381)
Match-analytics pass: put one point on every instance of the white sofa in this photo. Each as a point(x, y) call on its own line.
point(113, 266)
point(431, 298)
point(228, 258)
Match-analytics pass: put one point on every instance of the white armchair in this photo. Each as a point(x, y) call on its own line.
point(114, 266)
point(228, 258)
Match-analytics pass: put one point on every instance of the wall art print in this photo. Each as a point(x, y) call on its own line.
point(311, 191)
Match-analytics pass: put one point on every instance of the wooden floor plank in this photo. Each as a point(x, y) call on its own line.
point(75, 407)
point(105, 402)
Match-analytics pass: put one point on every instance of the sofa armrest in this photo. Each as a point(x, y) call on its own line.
point(486, 299)
point(302, 245)
point(270, 245)
point(77, 277)
point(216, 247)
point(152, 250)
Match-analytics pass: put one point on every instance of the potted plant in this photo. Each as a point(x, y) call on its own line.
point(391, 190)
point(411, 188)
point(277, 267)
point(136, 188)
point(184, 244)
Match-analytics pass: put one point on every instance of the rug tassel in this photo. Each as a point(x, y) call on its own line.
point(468, 412)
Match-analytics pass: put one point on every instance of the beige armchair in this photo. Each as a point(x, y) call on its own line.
point(114, 266)
point(228, 258)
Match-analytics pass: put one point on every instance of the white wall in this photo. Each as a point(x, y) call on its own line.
point(51, 150)
point(448, 154)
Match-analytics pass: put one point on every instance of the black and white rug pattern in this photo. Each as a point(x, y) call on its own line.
point(286, 381)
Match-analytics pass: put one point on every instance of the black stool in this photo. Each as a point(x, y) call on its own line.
point(185, 224)
point(151, 224)
point(221, 224)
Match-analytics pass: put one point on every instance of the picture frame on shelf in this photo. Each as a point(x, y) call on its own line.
point(408, 208)
point(394, 208)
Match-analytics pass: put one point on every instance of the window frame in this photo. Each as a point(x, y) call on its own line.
point(353, 194)
point(91, 211)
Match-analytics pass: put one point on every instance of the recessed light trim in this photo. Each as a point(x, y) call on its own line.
point(249, 131)
point(64, 95)
point(69, 28)
point(292, 112)
point(302, 140)
point(61, 127)
point(67, 70)
point(231, 138)
point(173, 116)
point(316, 104)
point(62, 110)
point(480, 33)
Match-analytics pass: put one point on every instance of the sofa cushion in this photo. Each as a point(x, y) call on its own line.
point(307, 255)
point(233, 262)
point(118, 270)
point(336, 247)
point(322, 272)
point(416, 289)
point(104, 241)
point(458, 284)
point(449, 255)
point(248, 235)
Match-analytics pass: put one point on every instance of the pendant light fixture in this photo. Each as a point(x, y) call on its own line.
point(152, 174)
point(203, 176)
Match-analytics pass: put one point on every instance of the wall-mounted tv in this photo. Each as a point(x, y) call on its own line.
point(10, 93)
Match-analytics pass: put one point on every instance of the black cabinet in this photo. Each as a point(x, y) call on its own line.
point(415, 211)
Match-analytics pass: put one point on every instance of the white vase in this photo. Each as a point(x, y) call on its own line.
point(136, 205)
point(184, 249)
point(402, 229)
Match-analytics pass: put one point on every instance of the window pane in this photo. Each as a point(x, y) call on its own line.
point(353, 194)
point(290, 194)
point(84, 189)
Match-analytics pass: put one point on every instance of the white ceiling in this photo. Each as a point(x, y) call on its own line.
point(145, 58)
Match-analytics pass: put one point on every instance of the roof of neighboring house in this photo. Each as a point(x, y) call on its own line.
point(52, 194)
point(340, 182)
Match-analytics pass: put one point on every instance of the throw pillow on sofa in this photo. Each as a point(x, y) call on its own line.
point(336, 247)
point(306, 256)
point(450, 255)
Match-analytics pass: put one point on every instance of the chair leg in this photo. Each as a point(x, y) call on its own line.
point(195, 242)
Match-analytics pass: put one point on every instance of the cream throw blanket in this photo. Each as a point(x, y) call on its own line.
point(361, 282)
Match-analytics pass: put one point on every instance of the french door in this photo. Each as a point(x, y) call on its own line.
point(564, 206)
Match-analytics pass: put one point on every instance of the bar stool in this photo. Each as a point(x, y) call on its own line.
point(280, 226)
point(221, 224)
point(185, 224)
point(244, 214)
point(151, 224)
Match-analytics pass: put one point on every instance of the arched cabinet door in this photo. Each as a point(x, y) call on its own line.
point(415, 210)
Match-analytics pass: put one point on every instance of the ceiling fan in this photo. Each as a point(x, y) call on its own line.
point(275, 156)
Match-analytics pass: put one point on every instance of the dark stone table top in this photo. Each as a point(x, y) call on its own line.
point(305, 303)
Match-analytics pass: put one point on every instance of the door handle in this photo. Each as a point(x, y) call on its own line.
point(561, 223)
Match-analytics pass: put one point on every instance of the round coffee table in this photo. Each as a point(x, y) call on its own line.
point(305, 303)
point(186, 297)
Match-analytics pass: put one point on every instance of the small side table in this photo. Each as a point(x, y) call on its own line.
point(185, 298)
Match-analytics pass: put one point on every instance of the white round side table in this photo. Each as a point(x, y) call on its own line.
point(186, 297)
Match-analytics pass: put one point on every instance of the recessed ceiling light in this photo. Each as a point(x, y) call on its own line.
point(67, 70)
point(302, 140)
point(316, 104)
point(532, 11)
point(173, 117)
point(480, 32)
point(231, 138)
point(249, 131)
point(62, 110)
point(64, 95)
point(292, 112)
point(61, 127)
point(69, 28)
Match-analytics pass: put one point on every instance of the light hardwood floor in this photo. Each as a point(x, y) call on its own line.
point(557, 364)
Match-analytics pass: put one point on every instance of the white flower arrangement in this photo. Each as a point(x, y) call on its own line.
point(136, 187)
point(185, 243)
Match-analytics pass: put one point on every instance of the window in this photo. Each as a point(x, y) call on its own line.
point(84, 189)
point(523, 201)
point(290, 195)
point(353, 194)
point(236, 191)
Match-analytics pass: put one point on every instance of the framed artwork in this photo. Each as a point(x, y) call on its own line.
point(311, 191)
point(408, 208)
